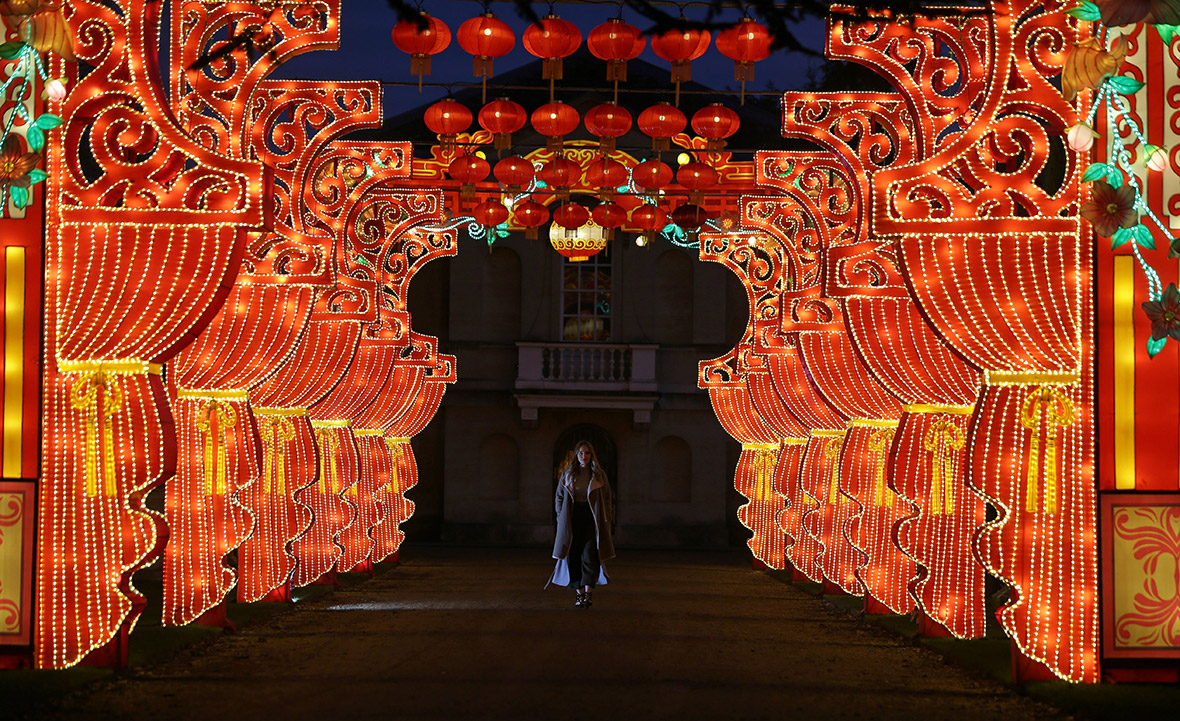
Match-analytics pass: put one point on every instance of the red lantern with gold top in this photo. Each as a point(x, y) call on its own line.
point(486, 38)
point(560, 174)
point(551, 41)
point(607, 122)
point(468, 170)
point(697, 177)
point(514, 173)
point(421, 42)
point(746, 43)
point(616, 42)
point(681, 47)
point(690, 217)
point(530, 215)
point(502, 118)
point(715, 123)
point(489, 214)
point(610, 216)
point(650, 219)
point(447, 118)
point(571, 216)
point(651, 175)
point(606, 175)
point(554, 121)
point(661, 122)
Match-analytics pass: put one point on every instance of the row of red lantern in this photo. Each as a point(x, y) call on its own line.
point(649, 219)
point(608, 121)
point(561, 174)
point(614, 41)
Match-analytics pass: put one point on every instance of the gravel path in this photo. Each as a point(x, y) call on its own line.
point(469, 633)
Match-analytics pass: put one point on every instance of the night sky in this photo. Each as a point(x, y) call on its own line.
point(367, 51)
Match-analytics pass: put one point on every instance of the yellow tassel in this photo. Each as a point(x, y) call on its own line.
point(1059, 409)
point(832, 453)
point(879, 444)
point(86, 394)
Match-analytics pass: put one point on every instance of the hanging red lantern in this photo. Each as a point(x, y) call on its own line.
point(616, 42)
point(714, 123)
point(551, 41)
point(606, 175)
point(468, 170)
point(661, 122)
point(502, 118)
point(571, 216)
point(650, 219)
point(489, 214)
point(610, 216)
point(486, 38)
point(447, 118)
point(651, 175)
point(697, 177)
point(421, 42)
point(746, 43)
point(514, 173)
point(690, 217)
point(530, 215)
point(560, 174)
point(554, 121)
point(681, 47)
point(607, 122)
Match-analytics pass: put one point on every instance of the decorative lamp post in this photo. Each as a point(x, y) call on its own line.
point(661, 122)
point(606, 175)
point(554, 121)
point(514, 173)
point(551, 41)
point(650, 219)
point(651, 175)
point(447, 118)
point(715, 123)
point(468, 170)
point(529, 215)
point(486, 38)
point(681, 47)
point(616, 42)
point(560, 173)
point(745, 44)
point(421, 42)
point(607, 122)
point(502, 118)
point(609, 216)
point(697, 177)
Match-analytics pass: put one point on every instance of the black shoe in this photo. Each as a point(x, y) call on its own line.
point(586, 603)
point(580, 600)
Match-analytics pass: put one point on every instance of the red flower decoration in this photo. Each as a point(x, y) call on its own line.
point(15, 165)
point(1164, 314)
point(1109, 208)
point(1126, 12)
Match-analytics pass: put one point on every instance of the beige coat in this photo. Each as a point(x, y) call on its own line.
point(601, 504)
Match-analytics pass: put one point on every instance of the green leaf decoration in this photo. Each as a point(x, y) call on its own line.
point(1125, 84)
point(1174, 248)
point(20, 196)
point(1167, 32)
point(1087, 11)
point(36, 139)
point(11, 49)
point(36, 175)
point(47, 121)
point(1097, 171)
point(1115, 179)
point(1120, 237)
point(1155, 346)
point(1142, 235)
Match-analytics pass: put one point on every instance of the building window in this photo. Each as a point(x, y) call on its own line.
point(586, 299)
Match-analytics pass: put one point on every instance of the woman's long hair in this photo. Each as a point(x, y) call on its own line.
point(593, 465)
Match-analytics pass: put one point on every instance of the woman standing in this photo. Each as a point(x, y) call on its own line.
point(585, 513)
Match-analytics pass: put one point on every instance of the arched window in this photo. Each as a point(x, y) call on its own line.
point(499, 309)
point(674, 297)
point(498, 475)
point(672, 481)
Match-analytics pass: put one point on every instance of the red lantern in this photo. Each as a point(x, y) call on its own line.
point(489, 214)
point(468, 170)
point(555, 120)
point(502, 118)
point(529, 215)
point(651, 175)
point(551, 41)
point(559, 174)
point(606, 175)
point(690, 217)
point(447, 119)
point(697, 177)
point(421, 42)
point(650, 219)
point(616, 42)
point(610, 216)
point(745, 44)
point(514, 172)
point(486, 38)
point(661, 122)
point(715, 123)
point(681, 47)
point(607, 122)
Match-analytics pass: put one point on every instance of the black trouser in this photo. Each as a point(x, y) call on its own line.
point(583, 556)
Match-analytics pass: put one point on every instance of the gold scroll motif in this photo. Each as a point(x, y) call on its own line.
point(277, 432)
point(221, 416)
point(97, 393)
point(328, 443)
point(832, 453)
point(943, 439)
point(1058, 410)
point(395, 447)
point(879, 444)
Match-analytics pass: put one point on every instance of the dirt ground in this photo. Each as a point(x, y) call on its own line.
point(470, 634)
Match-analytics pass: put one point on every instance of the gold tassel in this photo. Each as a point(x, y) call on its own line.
point(88, 392)
point(942, 439)
point(279, 432)
point(329, 475)
point(214, 421)
point(395, 447)
point(879, 444)
point(832, 452)
point(1060, 414)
